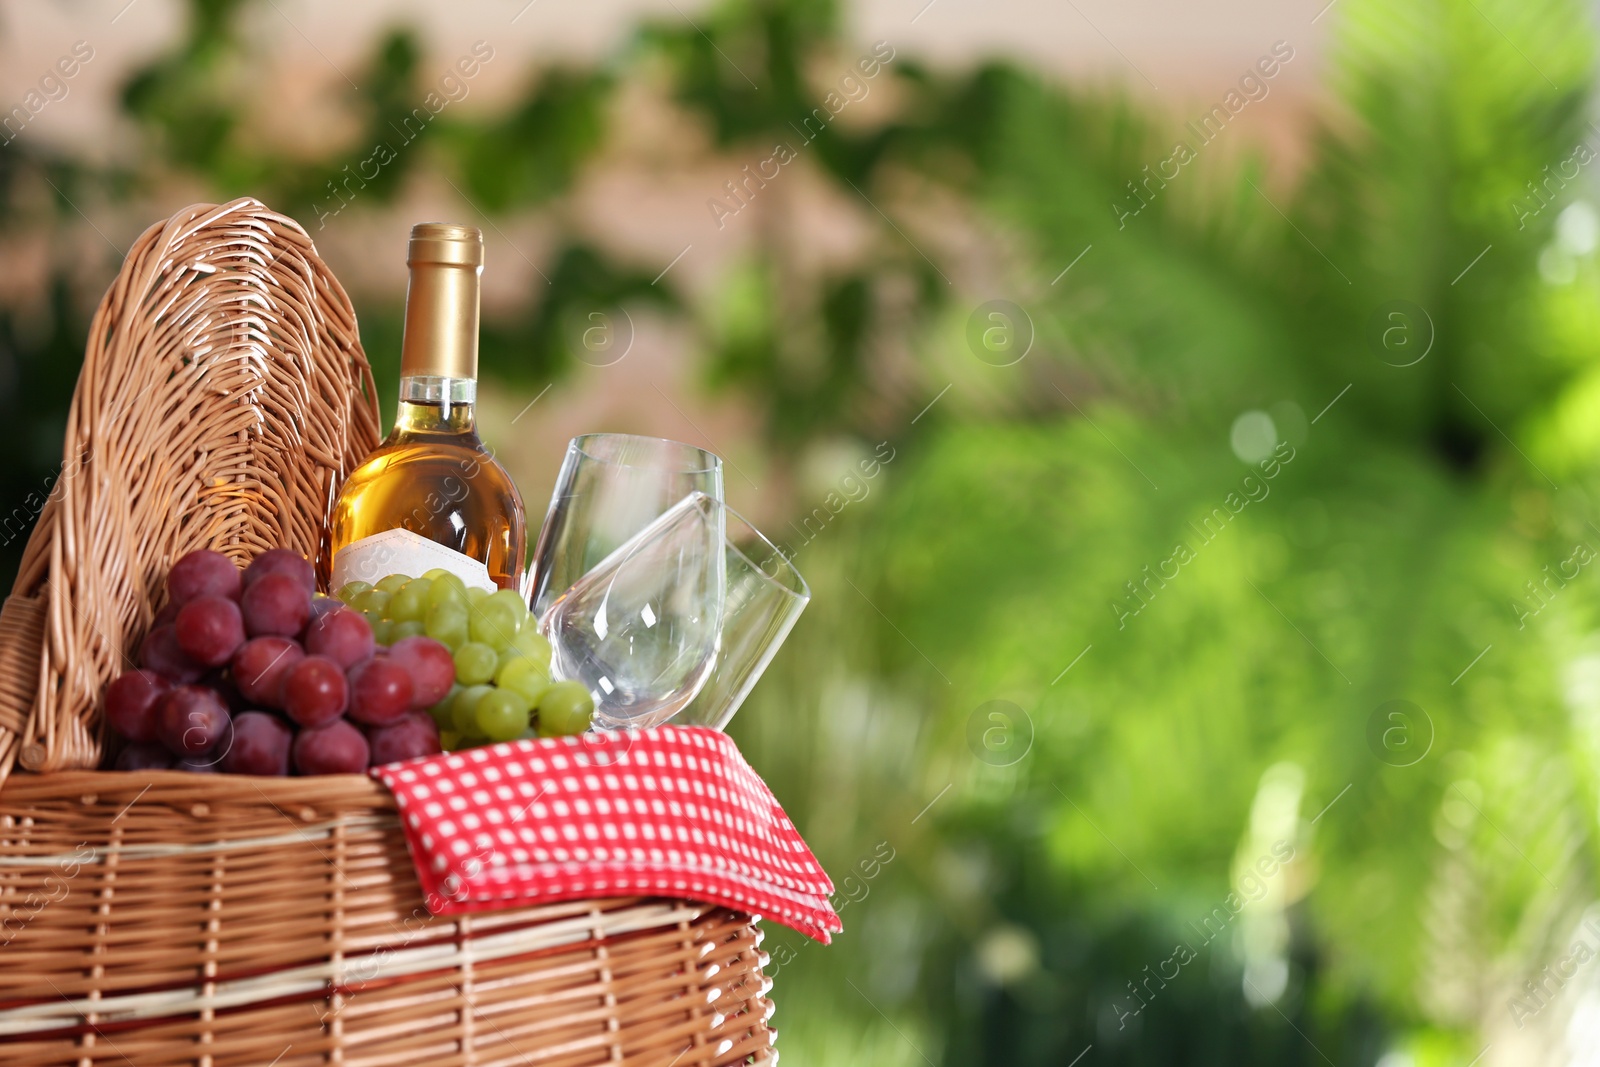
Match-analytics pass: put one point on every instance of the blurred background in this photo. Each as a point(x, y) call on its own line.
point(1187, 415)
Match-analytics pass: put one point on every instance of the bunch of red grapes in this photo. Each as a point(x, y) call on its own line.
point(254, 672)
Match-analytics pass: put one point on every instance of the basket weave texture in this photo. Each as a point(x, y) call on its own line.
point(167, 918)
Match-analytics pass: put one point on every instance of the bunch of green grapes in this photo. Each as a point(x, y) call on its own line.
point(502, 688)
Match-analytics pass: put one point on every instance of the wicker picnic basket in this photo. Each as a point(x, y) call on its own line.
point(174, 918)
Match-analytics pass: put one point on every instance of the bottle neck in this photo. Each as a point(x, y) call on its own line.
point(441, 328)
point(438, 405)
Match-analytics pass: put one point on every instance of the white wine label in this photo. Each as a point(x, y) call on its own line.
point(403, 552)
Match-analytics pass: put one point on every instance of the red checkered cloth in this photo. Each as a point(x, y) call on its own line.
point(673, 811)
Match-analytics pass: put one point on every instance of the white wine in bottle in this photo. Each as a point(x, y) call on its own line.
point(432, 496)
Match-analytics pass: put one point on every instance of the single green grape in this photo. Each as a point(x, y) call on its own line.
point(476, 594)
point(502, 714)
point(382, 630)
point(372, 602)
point(392, 583)
point(533, 645)
point(350, 590)
point(493, 623)
point(440, 712)
point(447, 587)
point(408, 628)
point(434, 573)
point(519, 669)
point(566, 708)
point(475, 663)
point(410, 601)
point(463, 709)
point(447, 622)
point(513, 602)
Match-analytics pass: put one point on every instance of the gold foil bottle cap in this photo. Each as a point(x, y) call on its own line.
point(441, 332)
point(445, 242)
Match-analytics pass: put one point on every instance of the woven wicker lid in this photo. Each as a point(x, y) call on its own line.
point(223, 398)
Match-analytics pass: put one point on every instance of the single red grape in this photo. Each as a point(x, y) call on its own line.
point(202, 573)
point(344, 636)
point(281, 561)
point(191, 720)
point(144, 757)
point(160, 653)
point(314, 691)
point(209, 630)
point(332, 748)
point(276, 604)
point(413, 734)
point(131, 703)
point(432, 668)
point(259, 666)
point(380, 691)
point(260, 745)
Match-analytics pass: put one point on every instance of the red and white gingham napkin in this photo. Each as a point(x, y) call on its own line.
point(672, 811)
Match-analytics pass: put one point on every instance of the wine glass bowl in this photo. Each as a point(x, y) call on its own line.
point(610, 487)
point(641, 629)
point(763, 597)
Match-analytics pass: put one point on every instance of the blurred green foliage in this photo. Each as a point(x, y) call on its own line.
point(1413, 541)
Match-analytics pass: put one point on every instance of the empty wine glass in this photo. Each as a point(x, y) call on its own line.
point(640, 630)
point(764, 596)
point(610, 487)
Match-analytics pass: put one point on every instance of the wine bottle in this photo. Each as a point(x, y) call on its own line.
point(432, 496)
